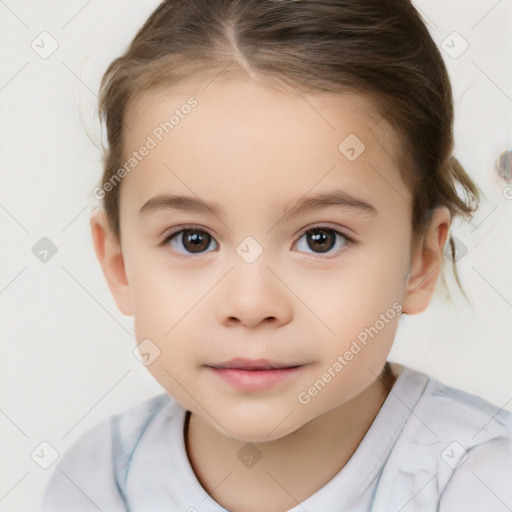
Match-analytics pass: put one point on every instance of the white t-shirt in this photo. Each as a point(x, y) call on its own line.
point(430, 448)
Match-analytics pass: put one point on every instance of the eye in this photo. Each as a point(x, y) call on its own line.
point(322, 240)
point(194, 241)
point(319, 240)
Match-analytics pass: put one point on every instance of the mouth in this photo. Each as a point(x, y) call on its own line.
point(253, 365)
point(251, 375)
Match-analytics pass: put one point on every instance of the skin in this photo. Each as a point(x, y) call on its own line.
point(256, 150)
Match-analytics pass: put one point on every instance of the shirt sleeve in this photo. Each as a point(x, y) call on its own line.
point(482, 481)
point(83, 479)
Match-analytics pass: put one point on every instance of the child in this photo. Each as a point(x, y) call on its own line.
point(278, 190)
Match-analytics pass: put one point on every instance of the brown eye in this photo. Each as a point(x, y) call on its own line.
point(321, 240)
point(193, 241)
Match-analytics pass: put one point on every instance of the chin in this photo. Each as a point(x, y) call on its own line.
point(254, 429)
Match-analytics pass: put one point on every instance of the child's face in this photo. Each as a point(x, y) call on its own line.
point(255, 153)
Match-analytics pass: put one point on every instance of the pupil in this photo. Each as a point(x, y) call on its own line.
point(322, 241)
point(320, 238)
point(199, 241)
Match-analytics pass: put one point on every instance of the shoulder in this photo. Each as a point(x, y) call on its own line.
point(86, 474)
point(462, 424)
point(464, 414)
point(454, 451)
point(476, 437)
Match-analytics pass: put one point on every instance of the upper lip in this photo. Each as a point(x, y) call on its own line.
point(239, 363)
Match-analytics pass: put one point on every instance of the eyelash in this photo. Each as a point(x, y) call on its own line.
point(348, 240)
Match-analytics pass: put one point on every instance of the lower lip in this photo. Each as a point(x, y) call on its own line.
point(255, 380)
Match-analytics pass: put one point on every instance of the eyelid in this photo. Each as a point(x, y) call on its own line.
point(327, 226)
point(182, 227)
point(345, 232)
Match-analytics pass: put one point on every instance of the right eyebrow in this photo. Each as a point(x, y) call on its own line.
point(176, 202)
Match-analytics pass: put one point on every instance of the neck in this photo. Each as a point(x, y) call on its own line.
point(294, 467)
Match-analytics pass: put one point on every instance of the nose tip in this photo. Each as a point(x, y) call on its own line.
point(252, 295)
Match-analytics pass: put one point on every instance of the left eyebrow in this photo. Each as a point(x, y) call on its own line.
point(338, 198)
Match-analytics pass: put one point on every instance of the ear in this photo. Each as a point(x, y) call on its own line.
point(427, 258)
point(110, 256)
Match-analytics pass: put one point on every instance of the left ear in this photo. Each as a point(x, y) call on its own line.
point(426, 263)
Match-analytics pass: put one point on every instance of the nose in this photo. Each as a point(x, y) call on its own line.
point(252, 294)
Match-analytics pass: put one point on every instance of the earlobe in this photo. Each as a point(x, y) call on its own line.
point(109, 253)
point(426, 263)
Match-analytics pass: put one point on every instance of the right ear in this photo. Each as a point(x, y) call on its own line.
point(109, 253)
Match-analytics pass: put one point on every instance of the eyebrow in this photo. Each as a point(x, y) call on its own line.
point(337, 198)
point(175, 202)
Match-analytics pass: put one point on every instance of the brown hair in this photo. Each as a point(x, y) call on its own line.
point(380, 50)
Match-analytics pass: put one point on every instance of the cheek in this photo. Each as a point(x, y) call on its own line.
point(360, 307)
point(167, 300)
point(352, 295)
point(166, 319)
point(162, 293)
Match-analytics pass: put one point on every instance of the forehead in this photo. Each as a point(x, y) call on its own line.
point(267, 143)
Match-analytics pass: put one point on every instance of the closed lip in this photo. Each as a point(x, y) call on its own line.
point(239, 363)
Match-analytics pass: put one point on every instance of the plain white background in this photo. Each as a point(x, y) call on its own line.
point(66, 351)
